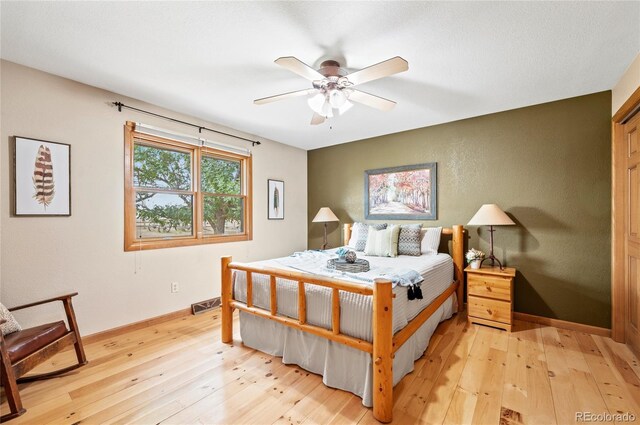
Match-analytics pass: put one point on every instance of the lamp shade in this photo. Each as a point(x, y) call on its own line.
point(325, 214)
point(490, 215)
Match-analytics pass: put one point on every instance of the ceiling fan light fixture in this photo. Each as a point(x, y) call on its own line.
point(332, 90)
point(336, 98)
point(316, 102)
point(327, 111)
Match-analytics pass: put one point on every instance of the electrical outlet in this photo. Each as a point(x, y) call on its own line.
point(175, 287)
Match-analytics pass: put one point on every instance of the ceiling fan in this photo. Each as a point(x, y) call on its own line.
point(332, 91)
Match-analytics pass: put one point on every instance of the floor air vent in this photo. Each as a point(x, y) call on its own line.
point(206, 305)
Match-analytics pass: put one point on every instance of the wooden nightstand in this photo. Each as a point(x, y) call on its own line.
point(490, 296)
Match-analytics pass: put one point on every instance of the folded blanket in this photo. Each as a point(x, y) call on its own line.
point(315, 262)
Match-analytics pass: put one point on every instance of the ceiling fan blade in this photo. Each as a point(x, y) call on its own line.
point(371, 100)
point(283, 96)
point(317, 119)
point(300, 68)
point(379, 70)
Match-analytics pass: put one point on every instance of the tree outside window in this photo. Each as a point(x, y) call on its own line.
point(166, 205)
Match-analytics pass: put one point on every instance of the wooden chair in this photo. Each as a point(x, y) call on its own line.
point(23, 350)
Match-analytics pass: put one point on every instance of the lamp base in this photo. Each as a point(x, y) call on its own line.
point(325, 244)
point(493, 259)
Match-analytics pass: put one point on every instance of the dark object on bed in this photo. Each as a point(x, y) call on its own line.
point(351, 257)
point(414, 292)
point(23, 350)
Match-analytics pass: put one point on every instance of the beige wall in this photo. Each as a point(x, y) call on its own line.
point(42, 257)
point(629, 83)
point(548, 166)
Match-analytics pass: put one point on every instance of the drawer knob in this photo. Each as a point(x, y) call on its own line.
point(489, 311)
point(488, 288)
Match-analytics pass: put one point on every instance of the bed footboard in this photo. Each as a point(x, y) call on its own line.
point(382, 351)
point(226, 298)
point(384, 344)
point(336, 285)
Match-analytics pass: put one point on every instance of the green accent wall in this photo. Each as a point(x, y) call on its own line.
point(548, 166)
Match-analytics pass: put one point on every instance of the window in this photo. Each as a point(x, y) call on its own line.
point(178, 194)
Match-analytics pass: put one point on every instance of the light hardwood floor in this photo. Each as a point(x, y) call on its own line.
point(179, 372)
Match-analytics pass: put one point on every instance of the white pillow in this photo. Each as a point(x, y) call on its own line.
point(430, 240)
point(11, 325)
point(360, 231)
point(383, 243)
point(355, 232)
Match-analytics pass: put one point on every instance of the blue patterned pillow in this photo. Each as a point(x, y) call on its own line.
point(409, 239)
point(362, 232)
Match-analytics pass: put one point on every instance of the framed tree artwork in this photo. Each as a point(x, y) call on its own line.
point(401, 193)
point(41, 177)
point(275, 198)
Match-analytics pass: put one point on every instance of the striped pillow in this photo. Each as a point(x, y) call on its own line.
point(430, 240)
point(383, 243)
point(409, 239)
point(360, 231)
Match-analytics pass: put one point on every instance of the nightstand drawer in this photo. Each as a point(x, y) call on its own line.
point(489, 286)
point(489, 309)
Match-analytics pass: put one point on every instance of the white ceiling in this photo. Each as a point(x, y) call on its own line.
point(211, 59)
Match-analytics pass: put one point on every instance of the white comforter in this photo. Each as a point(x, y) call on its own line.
point(355, 309)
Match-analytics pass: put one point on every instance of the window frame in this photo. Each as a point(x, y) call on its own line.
point(131, 243)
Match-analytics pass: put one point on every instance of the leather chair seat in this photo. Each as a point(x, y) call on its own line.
point(27, 341)
point(24, 350)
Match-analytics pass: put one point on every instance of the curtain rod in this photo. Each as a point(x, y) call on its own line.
point(155, 131)
point(121, 105)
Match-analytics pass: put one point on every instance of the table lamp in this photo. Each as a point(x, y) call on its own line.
point(491, 215)
point(325, 215)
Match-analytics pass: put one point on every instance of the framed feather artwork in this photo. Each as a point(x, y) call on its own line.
point(275, 196)
point(42, 178)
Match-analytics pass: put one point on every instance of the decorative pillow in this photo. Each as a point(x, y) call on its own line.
point(409, 239)
point(11, 325)
point(363, 232)
point(355, 233)
point(430, 240)
point(383, 243)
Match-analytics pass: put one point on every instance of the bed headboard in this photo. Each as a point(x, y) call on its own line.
point(456, 233)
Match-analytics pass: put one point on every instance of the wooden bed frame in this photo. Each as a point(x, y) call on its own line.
point(384, 344)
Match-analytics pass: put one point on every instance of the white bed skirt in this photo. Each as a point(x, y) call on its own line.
point(341, 366)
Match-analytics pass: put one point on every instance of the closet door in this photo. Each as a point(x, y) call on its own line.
point(632, 231)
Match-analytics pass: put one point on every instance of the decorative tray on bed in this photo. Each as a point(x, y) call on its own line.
point(344, 266)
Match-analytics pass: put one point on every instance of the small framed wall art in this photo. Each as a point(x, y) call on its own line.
point(275, 195)
point(41, 177)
